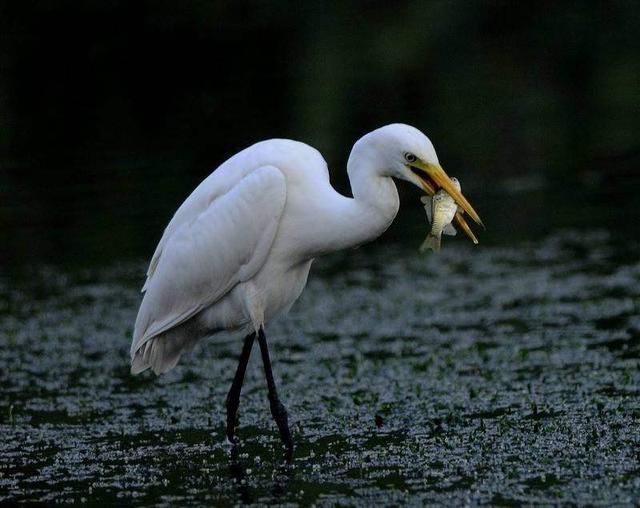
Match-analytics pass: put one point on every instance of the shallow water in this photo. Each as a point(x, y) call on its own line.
point(491, 375)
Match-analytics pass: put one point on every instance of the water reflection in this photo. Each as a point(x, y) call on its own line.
point(243, 466)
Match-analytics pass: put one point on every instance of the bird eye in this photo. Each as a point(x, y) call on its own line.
point(409, 157)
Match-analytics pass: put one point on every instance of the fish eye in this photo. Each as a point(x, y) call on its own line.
point(409, 157)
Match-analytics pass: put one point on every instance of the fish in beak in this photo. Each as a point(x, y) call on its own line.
point(432, 177)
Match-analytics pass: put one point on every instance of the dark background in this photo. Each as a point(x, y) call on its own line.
point(112, 111)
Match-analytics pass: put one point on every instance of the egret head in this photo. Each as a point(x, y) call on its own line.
point(408, 154)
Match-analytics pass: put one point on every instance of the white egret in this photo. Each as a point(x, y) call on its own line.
point(239, 249)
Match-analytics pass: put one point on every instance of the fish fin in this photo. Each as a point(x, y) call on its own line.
point(431, 242)
point(449, 230)
point(428, 207)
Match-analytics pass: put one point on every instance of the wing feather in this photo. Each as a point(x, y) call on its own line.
point(204, 258)
point(215, 185)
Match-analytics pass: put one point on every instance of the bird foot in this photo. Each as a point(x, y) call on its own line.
point(232, 425)
point(279, 413)
point(232, 420)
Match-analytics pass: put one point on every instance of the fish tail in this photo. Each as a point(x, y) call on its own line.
point(431, 242)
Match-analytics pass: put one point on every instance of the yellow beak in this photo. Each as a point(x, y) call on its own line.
point(433, 177)
point(461, 222)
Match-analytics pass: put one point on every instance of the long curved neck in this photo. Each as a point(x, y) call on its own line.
point(350, 222)
point(375, 200)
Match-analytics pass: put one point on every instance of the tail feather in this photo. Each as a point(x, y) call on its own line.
point(156, 354)
point(162, 352)
point(431, 242)
point(138, 364)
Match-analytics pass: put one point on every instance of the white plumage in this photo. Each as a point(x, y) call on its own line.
point(239, 249)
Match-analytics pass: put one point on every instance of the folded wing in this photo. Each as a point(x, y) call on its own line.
point(223, 240)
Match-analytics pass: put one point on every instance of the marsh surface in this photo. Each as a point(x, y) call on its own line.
point(489, 375)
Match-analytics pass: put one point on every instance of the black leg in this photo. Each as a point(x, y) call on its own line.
point(233, 397)
point(278, 411)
